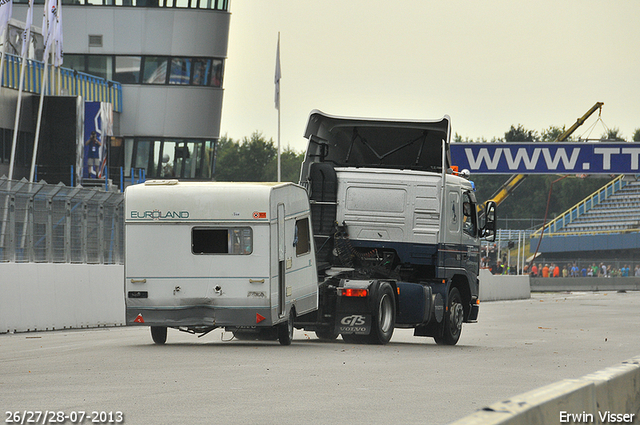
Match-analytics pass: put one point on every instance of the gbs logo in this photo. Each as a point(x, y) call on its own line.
point(353, 320)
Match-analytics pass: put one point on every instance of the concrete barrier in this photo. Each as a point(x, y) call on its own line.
point(554, 284)
point(611, 395)
point(503, 287)
point(45, 296)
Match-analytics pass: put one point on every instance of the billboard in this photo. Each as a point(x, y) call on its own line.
point(547, 158)
point(98, 127)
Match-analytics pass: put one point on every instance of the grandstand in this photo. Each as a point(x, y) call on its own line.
point(605, 226)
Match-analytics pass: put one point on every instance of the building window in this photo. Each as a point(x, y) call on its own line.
point(150, 69)
point(201, 72)
point(154, 70)
point(127, 69)
point(180, 71)
point(222, 5)
point(216, 79)
point(190, 159)
point(100, 66)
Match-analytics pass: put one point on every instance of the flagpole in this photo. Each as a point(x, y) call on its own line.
point(26, 39)
point(5, 31)
point(279, 163)
point(5, 15)
point(57, 52)
point(277, 99)
point(49, 30)
point(38, 124)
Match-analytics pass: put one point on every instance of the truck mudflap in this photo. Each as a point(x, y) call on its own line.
point(473, 311)
point(358, 324)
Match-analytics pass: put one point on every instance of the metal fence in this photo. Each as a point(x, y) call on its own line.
point(46, 223)
point(72, 83)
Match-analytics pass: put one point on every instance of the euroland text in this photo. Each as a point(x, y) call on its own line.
point(606, 417)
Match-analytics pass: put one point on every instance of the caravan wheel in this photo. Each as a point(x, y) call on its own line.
point(159, 334)
point(285, 329)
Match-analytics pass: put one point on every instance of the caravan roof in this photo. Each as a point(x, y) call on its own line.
point(173, 200)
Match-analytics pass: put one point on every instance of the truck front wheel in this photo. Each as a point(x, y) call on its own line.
point(453, 318)
point(384, 315)
point(159, 334)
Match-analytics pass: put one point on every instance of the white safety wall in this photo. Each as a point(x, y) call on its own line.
point(46, 296)
point(503, 287)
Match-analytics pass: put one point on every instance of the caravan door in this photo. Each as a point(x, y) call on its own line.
point(281, 261)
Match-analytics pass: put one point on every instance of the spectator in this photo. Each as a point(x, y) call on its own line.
point(575, 270)
point(624, 271)
point(565, 272)
point(637, 272)
point(556, 271)
point(545, 271)
point(584, 272)
point(534, 270)
point(497, 268)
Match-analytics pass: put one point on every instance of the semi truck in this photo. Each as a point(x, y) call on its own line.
point(380, 233)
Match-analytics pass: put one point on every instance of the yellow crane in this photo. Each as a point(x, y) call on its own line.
point(514, 181)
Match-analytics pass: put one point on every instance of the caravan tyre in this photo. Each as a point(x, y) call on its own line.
point(285, 329)
point(453, 318)
point(159, 334)
point(383, 315)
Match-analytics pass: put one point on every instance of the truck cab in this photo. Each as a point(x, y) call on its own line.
point(387, 211)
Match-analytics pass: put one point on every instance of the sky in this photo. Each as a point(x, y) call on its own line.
point(487, 64)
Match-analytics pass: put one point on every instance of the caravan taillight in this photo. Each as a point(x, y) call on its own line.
point(353, 292)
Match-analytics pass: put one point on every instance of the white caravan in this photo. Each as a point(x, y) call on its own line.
point(205, 255)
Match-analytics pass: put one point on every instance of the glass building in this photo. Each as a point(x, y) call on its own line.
point(169, 56)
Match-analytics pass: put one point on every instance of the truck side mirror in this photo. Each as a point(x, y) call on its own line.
point(489, 228)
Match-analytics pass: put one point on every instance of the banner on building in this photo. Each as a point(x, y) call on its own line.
point(98, 129)
point(547, 158)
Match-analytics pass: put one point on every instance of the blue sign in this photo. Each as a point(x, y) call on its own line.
point(547, 158)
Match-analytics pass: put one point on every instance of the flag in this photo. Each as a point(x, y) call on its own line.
point(26, 34)
point(278, 75)
point(58, 53)
point(49, 19)
point(6, 7)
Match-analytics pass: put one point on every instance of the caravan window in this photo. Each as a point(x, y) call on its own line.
point(301, 239)
point(210, 240)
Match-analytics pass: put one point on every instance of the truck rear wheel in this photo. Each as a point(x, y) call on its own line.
point(285, 329)
point(453, 318)
point(383, 315)
point(159, 334)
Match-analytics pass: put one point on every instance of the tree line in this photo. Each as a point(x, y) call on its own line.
point(254, 159)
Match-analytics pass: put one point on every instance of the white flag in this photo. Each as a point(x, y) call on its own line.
point(6, 7)
point(49, 21)
point(278, 75)
point(58, 53)
point(26, 34)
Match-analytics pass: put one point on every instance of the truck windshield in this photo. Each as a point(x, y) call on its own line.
point(216, 240)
